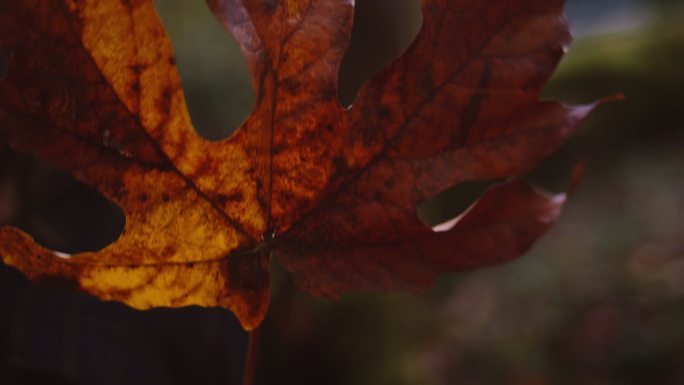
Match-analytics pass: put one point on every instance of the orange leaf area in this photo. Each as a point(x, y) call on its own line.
point(92, 87)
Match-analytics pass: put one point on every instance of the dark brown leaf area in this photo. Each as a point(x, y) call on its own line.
point(92, 87)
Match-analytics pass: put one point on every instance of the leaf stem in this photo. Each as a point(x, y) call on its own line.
point(250, 360)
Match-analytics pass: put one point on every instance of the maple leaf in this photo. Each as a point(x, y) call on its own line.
point(92, 87)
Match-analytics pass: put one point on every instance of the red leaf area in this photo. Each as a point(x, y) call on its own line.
point(332, 191)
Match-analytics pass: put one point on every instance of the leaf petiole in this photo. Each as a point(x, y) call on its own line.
point(250, 360)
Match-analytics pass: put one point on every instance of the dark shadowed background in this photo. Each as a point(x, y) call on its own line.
point(599, 299)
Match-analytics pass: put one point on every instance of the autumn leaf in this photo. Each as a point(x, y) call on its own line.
point(92, 86)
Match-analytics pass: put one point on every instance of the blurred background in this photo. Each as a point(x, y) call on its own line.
point(598, 300)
